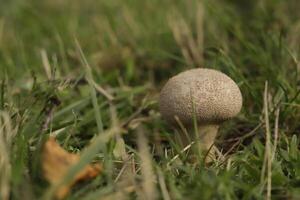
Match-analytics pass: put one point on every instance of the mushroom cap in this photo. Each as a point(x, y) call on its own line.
point(209, 95)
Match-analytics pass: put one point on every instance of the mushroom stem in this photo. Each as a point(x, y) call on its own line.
point(206, 135)
point(204, 138)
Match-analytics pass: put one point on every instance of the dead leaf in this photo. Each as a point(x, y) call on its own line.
point(56, 162)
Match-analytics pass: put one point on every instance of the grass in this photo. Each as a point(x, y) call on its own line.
point(90, 73)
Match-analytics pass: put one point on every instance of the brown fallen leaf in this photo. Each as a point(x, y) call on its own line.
point(56, 162)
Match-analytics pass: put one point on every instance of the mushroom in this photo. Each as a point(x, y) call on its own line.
point(205, 96)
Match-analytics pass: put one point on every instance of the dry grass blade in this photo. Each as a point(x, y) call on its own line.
point(184, 131)
point(102, 91)
point(1, 30)
point(7, 133)
point(124, 170)
point(293, 37)
point(46, 64)
point(267, 165)
point(149, 178)
point(191, 48)
point(120, 150)
point(130, 21)
point(276, 133)
point(181, 152)
point(105, 27)
point(200, 28)
point(163, 185)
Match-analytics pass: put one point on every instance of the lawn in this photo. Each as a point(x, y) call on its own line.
point(89, 73)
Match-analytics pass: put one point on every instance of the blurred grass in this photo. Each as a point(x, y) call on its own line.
point(133, 47)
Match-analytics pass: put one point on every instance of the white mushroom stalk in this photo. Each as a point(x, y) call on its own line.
point(207, 95)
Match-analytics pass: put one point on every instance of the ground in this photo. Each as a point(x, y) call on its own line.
point(89, 73)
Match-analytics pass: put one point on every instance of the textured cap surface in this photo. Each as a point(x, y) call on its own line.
point(209, 94)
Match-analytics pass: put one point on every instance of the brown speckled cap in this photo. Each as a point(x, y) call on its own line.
point(216, 97)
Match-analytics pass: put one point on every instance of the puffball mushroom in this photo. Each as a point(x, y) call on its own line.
point(208, 96)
